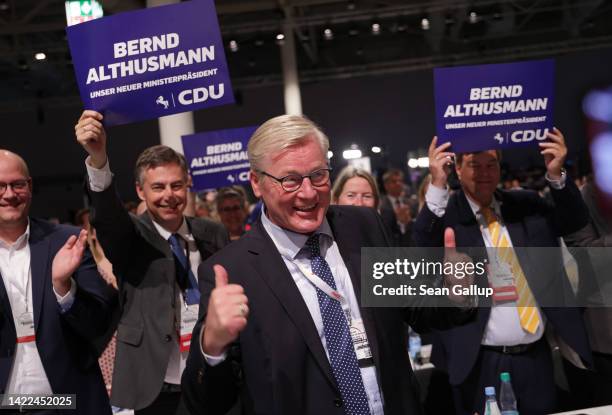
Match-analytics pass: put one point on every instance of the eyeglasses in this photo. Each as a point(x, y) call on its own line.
point(18, 186)
point(292, 182)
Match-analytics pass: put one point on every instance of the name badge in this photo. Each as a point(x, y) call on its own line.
point(361, 344)
point(189, 317)
point(25, 328)
point(502, 281)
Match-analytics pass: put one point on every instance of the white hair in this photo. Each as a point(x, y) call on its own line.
point(281, 132)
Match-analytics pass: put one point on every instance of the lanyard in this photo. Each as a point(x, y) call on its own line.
point(329, 291)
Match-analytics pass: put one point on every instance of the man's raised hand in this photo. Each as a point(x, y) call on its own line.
point(91, 135)
point(554, 152)
point(66, 261)
point(439, 162)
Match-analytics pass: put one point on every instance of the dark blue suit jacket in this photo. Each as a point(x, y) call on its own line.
point(64, 340)
point(531, 222)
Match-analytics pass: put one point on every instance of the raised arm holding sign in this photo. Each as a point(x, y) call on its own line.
point(150, 63)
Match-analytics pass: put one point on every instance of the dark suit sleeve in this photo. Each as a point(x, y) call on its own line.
point(207, 389)
point(428, 229)
point(123, 245)
point(569, 212)
point(433, 312)
point(588, 237)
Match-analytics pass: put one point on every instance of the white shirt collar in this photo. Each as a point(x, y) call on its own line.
point(183, 231)
point(289, 243)
point(495, 206)
point(21, 241)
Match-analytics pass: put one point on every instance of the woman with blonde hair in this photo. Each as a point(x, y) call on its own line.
point(355, 186)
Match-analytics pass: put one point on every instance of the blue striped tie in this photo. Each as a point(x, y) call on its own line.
point(192, 292)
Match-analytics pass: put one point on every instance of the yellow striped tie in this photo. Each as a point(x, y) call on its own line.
point(528, 313)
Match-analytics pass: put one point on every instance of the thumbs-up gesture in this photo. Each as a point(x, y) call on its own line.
point(226, 316)
point(461, 279)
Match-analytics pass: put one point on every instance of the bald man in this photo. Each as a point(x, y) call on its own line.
point(53, 302)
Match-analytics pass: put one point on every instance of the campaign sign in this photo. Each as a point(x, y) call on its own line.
point(494, 106)
point(151, 62)
point(218, 158)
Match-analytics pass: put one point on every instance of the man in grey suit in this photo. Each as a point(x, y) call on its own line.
point(155, 257)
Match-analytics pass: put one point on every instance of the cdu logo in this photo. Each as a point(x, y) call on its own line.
point(529, 135)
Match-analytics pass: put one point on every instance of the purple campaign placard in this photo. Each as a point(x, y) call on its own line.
point(495, 106)
point(150, 63)
point(218, 158)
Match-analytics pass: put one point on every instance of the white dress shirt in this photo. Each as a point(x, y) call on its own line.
point(100, 180)
point(27, 373)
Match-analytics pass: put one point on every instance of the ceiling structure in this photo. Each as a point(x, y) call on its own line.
point(335, 39)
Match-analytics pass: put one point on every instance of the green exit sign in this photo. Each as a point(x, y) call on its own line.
point(79, 11)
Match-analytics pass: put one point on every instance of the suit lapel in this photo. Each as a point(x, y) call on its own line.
point(153, 237)
point(4, 301)
point(273, 271)
point(201, 238)
point(470, 234)
point(40, 263)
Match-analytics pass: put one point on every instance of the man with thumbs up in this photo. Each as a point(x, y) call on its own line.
point(508, 333)
point(282, 326)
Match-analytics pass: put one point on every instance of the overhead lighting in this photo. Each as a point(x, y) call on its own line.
point(375, 28)
point(473, 18)
point(352, 153)
point(40, 56)
point(350, 5)
point(425, 23)
point(413, 163)
point(328, 34)
point(4, 6)
point(280, 36)
point(330, 154)
point(423, 162)
point(376, 149)
point(233, 45)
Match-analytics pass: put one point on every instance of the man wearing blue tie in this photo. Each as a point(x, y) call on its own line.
point(155, 258)
point(281, 326)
